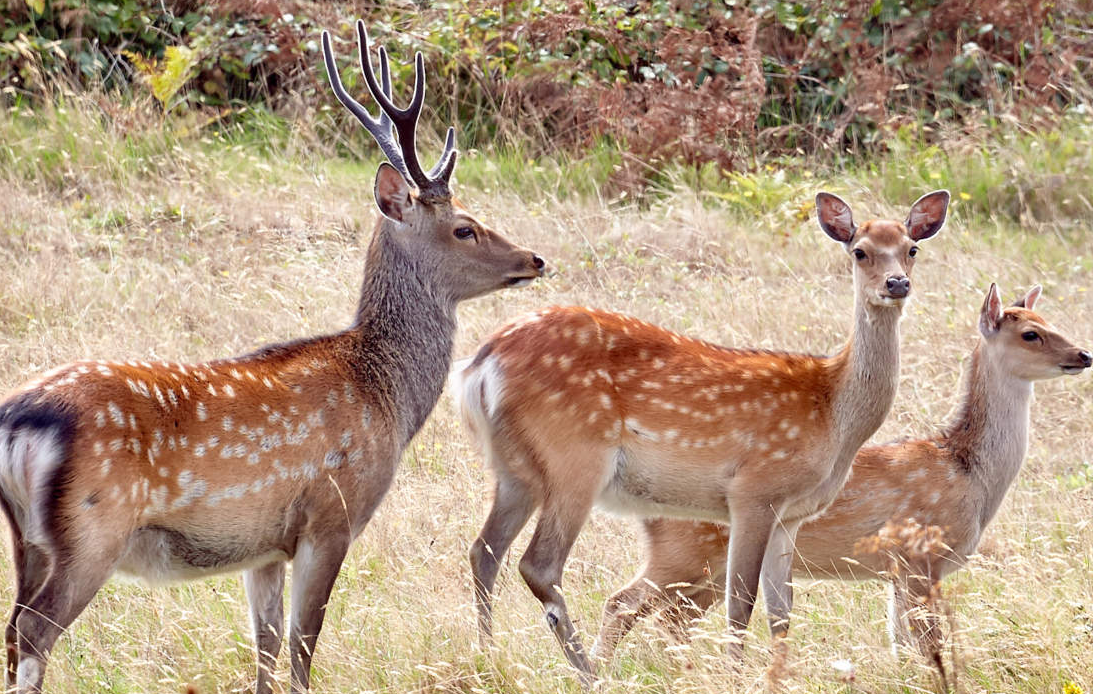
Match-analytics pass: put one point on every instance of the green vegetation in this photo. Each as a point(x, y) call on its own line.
point(699, 81)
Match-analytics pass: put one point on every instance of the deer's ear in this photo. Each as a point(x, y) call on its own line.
point(990, 316)
point(1029, 299)
point(392, 193)
point(927, 215)
point(835, 217)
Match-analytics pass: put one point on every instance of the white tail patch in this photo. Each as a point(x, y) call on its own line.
point(479, 390)
point(28, 459)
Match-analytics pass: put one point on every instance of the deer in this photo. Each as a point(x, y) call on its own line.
point(576, 407)
point(953, 481)
point(169, 471)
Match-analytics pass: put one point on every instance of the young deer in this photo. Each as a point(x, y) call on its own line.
point(954, 481)
point(576, 407)
point(170, 471)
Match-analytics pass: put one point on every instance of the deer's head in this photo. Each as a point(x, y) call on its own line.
point(884, 250)
point(464, 256)
point(1023, 343)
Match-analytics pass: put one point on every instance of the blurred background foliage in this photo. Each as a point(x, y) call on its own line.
point(704, 83)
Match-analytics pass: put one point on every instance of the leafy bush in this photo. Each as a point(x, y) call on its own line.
point(699, 81)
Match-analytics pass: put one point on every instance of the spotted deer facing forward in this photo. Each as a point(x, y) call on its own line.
point(170, 471)
point(954, 481)
point(576, 407)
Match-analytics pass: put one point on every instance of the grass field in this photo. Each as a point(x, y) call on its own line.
point(118, 245)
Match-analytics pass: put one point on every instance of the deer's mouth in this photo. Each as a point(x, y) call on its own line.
point(885, 299)
point(520, 280)
point(1073, 368)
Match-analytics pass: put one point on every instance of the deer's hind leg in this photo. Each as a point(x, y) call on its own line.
point(621, 612)
point(513, 504)
point(567, 503)
point(77, 574)
point(32, 567)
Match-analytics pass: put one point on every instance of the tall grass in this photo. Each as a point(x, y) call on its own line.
point(192, 244)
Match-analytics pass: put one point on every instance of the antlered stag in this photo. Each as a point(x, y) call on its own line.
point(953, 482)
point(175, 471)
point(575, 407)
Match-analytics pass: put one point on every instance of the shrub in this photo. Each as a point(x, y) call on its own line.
point(702, 82)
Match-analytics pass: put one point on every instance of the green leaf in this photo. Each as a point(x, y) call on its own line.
point(39, 6)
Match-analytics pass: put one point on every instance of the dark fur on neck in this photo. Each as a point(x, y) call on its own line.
point(402, 336)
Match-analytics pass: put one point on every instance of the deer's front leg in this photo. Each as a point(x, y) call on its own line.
point(748, 537)
point(314, 569)
point(778, 577)
point(265, 589)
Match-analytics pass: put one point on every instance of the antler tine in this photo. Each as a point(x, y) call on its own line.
point(385, 81)
point(446, 164)
point(380, 130)
point(394, 121)
point(404, 119)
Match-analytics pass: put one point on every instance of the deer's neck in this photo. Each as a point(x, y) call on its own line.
point(867, 375)
point(404, 331)
point(988, 431)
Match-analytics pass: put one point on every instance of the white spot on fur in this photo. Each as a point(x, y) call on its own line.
point(116, 415)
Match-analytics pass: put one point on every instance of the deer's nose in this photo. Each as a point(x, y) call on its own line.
point(1085, 358)
point(538, 262)
point(899, 286)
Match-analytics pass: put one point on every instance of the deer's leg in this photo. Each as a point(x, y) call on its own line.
point(32, 567)
point(678, 559)
point(513, 504)
point(700, 561)
point(314, 569)
point(541, 567)
point(61, 598)
point(898, 607)
point(778, 578)
point(924, 624)
point(748, 537)
point(690, 603)
point(621, 611)
point(265, 593)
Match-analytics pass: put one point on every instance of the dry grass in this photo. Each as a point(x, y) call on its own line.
point(183, 254)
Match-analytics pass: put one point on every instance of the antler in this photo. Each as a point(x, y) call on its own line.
point(432, 187)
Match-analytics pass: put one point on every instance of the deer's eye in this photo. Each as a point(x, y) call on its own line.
point(913, 252)
point(1030, 336)
point(859, 254)
point(465, 233)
